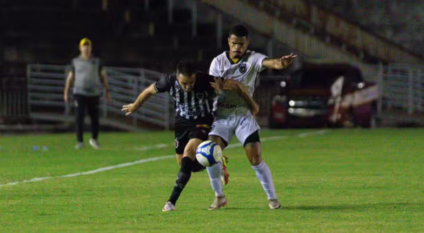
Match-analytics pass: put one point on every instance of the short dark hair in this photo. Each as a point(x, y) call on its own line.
point(239, 31)
point(186, 68)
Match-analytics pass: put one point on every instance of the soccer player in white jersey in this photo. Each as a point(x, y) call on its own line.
point(233, 115)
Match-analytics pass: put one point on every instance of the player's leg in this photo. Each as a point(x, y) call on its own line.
point(223, 144)
point(187, 163)
point(248, 133)
point(196, 134)
point(182, 130)
point(218, 140)
point(181, 139)
point(201, 131)
point(179, 157)
point(79, 119)
point(221, 133)
point(93, 111)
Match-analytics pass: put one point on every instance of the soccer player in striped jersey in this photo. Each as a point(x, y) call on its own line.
point(233, 116)
point(194, 94)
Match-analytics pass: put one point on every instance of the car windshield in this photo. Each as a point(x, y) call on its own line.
point(321, 78)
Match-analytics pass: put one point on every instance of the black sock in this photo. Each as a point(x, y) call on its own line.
point(197, 167)
point(182, 179)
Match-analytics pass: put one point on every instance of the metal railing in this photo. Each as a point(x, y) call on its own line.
point(45, 97)
point(13, 104)
point(126, 84)
point(402, 88)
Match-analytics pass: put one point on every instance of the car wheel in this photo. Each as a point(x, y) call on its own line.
point(271, 122)
point(371, 121)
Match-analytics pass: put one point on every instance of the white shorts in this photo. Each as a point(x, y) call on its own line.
point(240, 125)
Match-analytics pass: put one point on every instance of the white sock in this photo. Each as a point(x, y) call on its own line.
point(264, 175)
point(214, 172)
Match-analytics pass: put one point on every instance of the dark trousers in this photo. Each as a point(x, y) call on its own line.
point(91, 103)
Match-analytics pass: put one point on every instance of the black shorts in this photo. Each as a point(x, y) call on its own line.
point(189, 129)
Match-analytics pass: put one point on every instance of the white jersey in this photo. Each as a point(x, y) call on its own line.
point(246, 71)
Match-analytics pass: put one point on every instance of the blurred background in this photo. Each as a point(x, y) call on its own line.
point(374, 45)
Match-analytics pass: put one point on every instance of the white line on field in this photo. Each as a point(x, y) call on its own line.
point(301, 135)
point(158, 146)
point(37, 179)
point(89, 172)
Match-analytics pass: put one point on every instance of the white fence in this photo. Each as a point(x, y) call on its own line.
point(45, 97)
point(402, 88)
point(401, 92)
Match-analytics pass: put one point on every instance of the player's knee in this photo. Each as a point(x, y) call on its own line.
point(190, 152)
point(255, 159)
point(191, 147)
point(253, 152)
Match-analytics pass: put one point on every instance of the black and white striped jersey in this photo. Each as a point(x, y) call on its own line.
point(192, 105)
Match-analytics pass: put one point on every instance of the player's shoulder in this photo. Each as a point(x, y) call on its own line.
point(77, 58)
point(253, 54)
point(171, 78)
point(221, 56)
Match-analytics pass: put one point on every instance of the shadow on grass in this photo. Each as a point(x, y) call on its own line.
point(357, 207)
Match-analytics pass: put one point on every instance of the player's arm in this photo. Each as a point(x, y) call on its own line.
point(242, 91)
point(232, 85)
point(278, 63)
point(105, 84)
point(68, 84)
point(141, 99)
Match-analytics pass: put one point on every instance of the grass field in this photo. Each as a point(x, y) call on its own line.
point(339, 181)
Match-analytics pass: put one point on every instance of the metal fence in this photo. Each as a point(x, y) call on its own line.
point(13, 104)
point(402, 88)
point(401, 91)
point(45, 97)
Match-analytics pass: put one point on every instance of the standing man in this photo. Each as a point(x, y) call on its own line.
point(86, 74)
point(233, 116)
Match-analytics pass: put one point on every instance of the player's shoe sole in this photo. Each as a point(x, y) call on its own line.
point(225, 177)
point(218, 202)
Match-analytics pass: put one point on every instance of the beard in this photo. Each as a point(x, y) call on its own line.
point(237, 55)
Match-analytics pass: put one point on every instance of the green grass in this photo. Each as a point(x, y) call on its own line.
point(341, 181)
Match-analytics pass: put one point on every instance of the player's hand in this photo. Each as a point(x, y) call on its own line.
point(129, 108)
point(285, 61)
point(65, 98)
point(108, 97)
point(254, 109)
point(218, 85)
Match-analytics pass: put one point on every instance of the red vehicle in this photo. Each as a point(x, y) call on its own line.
point(325, 95)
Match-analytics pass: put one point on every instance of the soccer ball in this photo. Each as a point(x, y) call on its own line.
point(208, 153)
